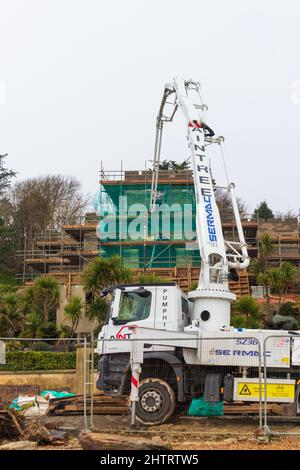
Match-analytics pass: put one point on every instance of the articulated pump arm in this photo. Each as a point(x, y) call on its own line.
point(220, 258)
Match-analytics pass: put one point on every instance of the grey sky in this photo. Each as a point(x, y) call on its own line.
point(84, 79)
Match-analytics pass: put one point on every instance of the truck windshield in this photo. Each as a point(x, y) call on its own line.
point(134, 306)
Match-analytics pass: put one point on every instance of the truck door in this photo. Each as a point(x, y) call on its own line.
point(131, 306)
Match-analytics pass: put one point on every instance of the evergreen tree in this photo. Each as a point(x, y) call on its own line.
point(5, 176)
point(263, 211)
point(6, 230)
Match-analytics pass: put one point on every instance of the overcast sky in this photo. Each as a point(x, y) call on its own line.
point(81, 82)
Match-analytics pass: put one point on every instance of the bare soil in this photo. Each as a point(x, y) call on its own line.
point(195, 433)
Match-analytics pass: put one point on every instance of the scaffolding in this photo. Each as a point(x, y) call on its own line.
point(63, 252)
point(59, 251)
point(162, 249)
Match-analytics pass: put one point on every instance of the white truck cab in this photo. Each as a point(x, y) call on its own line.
point(161, 306)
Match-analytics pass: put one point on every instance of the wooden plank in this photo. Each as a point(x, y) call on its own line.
point(102, 404)
point(243, 408)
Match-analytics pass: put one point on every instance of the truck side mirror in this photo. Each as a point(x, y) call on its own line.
point(118, 321)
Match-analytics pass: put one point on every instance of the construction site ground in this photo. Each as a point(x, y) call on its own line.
point(186, 433)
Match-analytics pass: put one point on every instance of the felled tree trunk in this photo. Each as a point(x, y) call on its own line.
point(106, 441)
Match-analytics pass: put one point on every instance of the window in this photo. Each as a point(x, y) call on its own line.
point(135, 306)
point(184, 306)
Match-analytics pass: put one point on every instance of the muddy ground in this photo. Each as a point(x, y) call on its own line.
point(187, 433)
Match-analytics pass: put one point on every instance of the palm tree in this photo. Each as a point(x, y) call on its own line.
point(10, 315)
point(173, 165)
point(266, 248)
point(64, 331)
point(184, 165)
point(263, 279)
point(73, 312)
point(43, 296)
point(33, 325)
point(164, 165)
point(281, 277)
point(289, 273)
point(276, 282)
point(101, 273)
point(258, 268)
point(97, 309)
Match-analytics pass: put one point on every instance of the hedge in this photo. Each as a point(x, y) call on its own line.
point(38, 360)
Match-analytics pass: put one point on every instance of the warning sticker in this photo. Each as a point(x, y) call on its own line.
point(274, 390)
point(244, 390)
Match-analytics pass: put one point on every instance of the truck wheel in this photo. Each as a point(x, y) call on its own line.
point(156, 402)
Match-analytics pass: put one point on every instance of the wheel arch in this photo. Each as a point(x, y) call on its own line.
point(161, 364)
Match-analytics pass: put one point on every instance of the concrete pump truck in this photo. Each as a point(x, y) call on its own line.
point(189, 348)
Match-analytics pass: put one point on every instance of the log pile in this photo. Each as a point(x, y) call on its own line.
point(11, 424)
point(14, 426)
point(102, 405)
point(38, 432)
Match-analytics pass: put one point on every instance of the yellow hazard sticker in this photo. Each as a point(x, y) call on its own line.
point(284, 359)
point(274, 390)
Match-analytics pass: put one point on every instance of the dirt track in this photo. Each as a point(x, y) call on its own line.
point(197, 433)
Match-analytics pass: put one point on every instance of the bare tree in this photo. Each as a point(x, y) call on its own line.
point(223, 201)
point(46, 201)
point(288, 215)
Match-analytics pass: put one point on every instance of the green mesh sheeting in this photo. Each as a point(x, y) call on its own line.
point(152, 256)
point(140, 194)
point(118, 222)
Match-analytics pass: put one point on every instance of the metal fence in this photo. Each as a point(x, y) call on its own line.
point(46, 378)
point(256, 389)
point(281, 389)
point(201, 385)
point(210, 385)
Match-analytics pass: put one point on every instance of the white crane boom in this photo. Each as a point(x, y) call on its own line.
point(219, 258)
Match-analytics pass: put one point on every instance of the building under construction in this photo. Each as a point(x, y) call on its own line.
point(122, 226)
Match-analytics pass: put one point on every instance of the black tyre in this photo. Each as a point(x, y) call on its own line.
point(156, 402)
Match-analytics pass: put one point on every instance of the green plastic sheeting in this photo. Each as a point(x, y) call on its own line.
point(200, 407)
point(55, 394)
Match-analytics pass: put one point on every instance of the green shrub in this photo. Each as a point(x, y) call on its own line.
point(13, 346)
point(241, 321)
point(246, 313)
point(193, 285)
point(7, 279)
point(38, 360)
point(280, 322)
point(7, 289)
point(40, 346)
point(289, 309)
